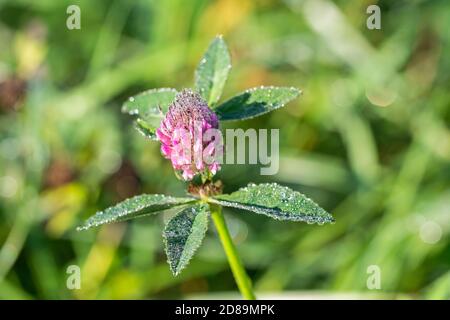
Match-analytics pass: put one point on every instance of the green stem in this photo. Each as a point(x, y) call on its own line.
point(242, 280)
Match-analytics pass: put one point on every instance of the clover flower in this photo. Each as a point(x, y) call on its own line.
point(181, 134)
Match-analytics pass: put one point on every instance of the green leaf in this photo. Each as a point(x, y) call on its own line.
point(183, 234)
point(145, 129)
point(255, 102)
point(275, 201)
point(134, 207)
point(212, 71)
point(150, 105)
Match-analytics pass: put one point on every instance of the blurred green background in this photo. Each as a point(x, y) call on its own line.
point(369, 140)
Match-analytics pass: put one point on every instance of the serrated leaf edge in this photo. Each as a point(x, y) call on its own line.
point(275, 210)
point(178, 271)
point(212, 104)
point(130, 99)
point(298, 94)
point(84, 226)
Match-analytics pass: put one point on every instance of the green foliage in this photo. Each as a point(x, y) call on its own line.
point(183, 234)
point(135, 207)
point(369, 141)
point(440, 288)
point(277, 202)
point(212, 71)
point(255, 102)
point(145, 129)
point(150, 106)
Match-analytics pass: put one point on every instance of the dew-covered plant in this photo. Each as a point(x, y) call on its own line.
point(179, 120)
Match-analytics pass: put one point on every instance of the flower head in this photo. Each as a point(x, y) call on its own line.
point(181, 134)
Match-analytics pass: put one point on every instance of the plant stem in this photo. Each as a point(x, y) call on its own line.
point(242, 280)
